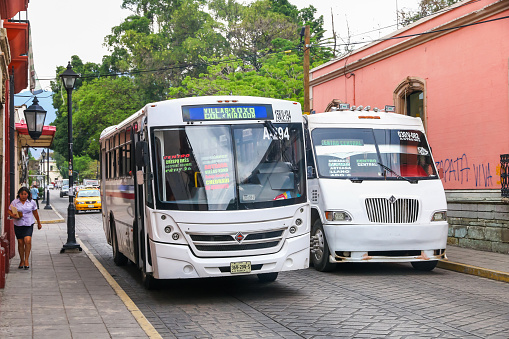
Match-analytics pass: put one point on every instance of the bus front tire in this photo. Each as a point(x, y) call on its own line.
point(424, 265)
point(321, 253)
point(267, 277)
point(118, 258)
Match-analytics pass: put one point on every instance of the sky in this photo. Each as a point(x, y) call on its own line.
point(62, 28)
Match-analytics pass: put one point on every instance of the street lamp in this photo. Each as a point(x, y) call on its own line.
point(69, 79)
point(48, 206)
point(34, 117)
point(43, 154)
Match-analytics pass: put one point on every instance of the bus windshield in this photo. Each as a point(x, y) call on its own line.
point(362, 153)
point(229, 167)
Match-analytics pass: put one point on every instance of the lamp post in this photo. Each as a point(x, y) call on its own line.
point(69, 79)
point(43, 154)
point(48, 206)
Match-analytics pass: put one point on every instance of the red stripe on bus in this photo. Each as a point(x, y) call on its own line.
point(129, 196)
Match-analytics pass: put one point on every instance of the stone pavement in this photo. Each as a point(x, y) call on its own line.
point(67, 295)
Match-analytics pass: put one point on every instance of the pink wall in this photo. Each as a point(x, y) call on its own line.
point(467, 87)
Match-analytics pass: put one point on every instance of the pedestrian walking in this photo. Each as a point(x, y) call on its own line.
point(23, 209)
point(35, 194)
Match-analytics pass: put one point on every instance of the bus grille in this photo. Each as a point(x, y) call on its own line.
point(228, 242)
point(392, 211)
point(236, 247)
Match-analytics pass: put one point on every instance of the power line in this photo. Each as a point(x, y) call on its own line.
point(417, 34)
point(214, 63)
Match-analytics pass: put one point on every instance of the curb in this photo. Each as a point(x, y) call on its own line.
point(474, 270)
point(56, 221)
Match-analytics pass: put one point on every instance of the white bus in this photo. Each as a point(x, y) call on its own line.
point(374, 190)
point(207, 187)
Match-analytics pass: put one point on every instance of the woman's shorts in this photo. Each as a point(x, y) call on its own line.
point(23, 231)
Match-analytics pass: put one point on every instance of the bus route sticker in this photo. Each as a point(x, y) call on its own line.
point(282, 115)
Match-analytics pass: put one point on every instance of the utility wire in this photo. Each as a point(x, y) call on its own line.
point(417, 34)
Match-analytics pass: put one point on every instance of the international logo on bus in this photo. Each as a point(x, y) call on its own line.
point(239, 237)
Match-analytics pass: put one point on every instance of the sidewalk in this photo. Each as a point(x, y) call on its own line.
point(483, 264)
point(71, 295)
point(62, 295)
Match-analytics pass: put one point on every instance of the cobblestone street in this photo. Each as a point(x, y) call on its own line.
point(370, 300)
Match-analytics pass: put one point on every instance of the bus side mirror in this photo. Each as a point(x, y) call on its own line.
point(311, 172)
point(141, 154)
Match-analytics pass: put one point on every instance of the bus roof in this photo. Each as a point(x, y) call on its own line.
point(364, 119)
point(160, 109)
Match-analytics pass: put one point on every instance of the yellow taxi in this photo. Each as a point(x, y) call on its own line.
point(87, 200)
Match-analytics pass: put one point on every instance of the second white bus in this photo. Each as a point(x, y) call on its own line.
point(374, 189)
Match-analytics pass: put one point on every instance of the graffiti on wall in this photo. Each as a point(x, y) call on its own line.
point(460, 171)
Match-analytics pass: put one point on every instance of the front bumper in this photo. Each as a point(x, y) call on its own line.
point(387, 242)
point(178, 262)
point(86, 207)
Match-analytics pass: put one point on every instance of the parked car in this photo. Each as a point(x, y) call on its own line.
point(88, 200)
point(51, 186)
point(64, 190)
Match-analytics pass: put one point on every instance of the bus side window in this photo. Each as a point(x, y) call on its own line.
point(121, 161)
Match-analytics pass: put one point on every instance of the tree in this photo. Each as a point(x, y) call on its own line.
point(280, 76)
point(106, 102)
point(167, 37)
point(426, 8)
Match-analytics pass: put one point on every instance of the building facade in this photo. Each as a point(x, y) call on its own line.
point(451, 69)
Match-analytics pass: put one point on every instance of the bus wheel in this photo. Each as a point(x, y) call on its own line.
point(320, 249)
point(118, 258)
point(267, 277)
point(425, 265)
point(148, 280)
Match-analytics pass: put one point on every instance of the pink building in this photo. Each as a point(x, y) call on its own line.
point(451, 70)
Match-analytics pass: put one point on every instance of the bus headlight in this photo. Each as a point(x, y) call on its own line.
point(337, 216)
point(439, 216)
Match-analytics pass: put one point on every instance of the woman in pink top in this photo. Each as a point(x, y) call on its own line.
point(24, 224)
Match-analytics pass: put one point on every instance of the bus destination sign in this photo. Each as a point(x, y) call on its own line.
point(227, 112)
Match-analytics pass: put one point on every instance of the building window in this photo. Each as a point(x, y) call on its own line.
point(410, 98)
point(415, 104)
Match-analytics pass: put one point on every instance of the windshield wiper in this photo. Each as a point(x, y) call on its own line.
point(412, 181)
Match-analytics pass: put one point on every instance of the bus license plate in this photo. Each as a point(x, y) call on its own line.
point(240, 267)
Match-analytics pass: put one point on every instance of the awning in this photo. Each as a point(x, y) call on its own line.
point(17, 34)
point(9, 8)
point(44, 141)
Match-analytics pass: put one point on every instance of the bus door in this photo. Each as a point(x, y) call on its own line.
point(141, 163)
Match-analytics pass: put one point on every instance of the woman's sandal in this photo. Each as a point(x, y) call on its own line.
point(27, 267)
point(20, 267)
